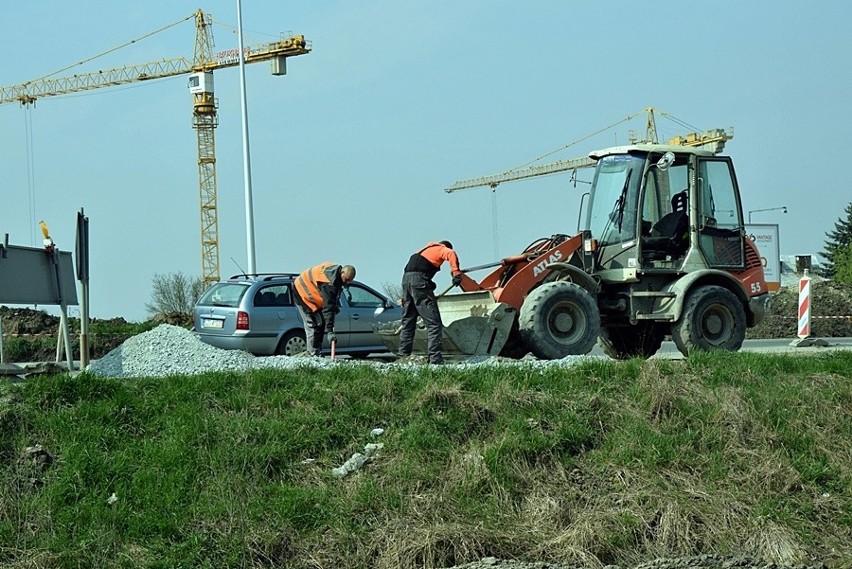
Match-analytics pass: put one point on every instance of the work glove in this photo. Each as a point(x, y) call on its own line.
point(331, 337)
point(457, 279)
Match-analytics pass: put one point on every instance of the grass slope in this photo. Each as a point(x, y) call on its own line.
point(603, 463)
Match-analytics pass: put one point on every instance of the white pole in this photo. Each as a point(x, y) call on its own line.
point(246, 157)
point(66, 337)
point(84, 325)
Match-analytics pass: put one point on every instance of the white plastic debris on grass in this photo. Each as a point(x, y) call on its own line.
point(171, 350)
point(357, 460)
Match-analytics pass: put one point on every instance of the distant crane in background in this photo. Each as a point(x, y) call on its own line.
point(204, 117)
point(713, 140)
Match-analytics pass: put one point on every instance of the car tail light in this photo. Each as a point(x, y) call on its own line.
point(242, 320)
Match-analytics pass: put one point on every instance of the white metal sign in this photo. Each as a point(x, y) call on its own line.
point(765, 237)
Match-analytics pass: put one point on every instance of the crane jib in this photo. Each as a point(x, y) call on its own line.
point(204, 108)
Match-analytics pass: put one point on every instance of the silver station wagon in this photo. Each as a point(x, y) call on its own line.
point(256, 313)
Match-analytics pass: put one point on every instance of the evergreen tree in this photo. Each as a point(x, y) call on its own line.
point(839, 238)
point(843, 265)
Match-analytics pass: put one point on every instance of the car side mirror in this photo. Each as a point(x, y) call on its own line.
point(379, 310)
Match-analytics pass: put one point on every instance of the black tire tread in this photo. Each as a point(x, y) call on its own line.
point(532, 321)
point(687, 331)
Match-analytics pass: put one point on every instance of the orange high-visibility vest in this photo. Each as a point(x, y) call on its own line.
point(307, 285)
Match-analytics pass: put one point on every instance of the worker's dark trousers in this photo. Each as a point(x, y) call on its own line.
point(314, 328)
point(418, 298)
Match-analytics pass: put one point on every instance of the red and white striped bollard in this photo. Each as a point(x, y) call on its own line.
point(804, 306)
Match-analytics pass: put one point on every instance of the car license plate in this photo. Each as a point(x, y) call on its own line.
point(211, 323)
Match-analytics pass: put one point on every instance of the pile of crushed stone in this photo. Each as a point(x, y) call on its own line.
point(171, 350)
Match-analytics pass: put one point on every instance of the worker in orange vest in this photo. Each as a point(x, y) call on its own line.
point(318, 300)
point(418, 290)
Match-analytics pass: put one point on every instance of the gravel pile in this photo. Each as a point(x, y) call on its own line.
point(172, 350)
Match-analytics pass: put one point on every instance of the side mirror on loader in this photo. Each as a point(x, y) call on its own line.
point(666, 161)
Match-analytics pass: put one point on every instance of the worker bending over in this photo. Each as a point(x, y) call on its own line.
point(418, 297)
point(318, 301)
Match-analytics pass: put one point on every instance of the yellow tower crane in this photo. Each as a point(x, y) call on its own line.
point(204, 115)
point(713, 140)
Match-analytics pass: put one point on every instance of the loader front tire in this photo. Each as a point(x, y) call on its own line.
point(640, 340)
point(559, 319)
point(713, 318)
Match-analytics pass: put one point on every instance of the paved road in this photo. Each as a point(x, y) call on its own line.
point(767, 346)
point(668, 351)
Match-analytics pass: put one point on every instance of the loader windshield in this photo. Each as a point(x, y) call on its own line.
point(614, 198)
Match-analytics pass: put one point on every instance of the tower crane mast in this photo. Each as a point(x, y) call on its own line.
point(204, 121)
point(205, 118)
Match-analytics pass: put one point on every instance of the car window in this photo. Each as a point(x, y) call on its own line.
point(224, 294)
point(274, 295)
point(358, 297)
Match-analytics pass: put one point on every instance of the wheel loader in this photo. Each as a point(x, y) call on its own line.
point(663, 253)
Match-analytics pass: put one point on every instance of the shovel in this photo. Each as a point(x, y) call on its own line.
point(333, 347)
point(445, 291)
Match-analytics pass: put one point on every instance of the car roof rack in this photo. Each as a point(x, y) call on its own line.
point(264, 276)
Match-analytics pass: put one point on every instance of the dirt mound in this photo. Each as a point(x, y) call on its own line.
point(31, 335)
point(831, 312)
point(17, 321)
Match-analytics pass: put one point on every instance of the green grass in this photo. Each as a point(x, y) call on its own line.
point(603, 463)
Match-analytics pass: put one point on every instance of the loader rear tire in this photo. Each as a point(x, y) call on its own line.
point(559, 319)
point(641, 340)
point(713, 318)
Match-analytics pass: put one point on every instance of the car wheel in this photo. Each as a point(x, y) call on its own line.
point(292, 343)
point(713, 318)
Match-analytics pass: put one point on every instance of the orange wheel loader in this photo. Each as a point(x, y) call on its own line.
point(663, 252)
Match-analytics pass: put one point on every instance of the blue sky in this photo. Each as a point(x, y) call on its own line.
point(398, 99)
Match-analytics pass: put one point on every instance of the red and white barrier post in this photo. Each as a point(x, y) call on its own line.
point(804, 306)
point(805, 338)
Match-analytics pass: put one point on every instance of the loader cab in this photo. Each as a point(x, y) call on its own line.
point(691, 213)
point(659, 208)
point(665, 204)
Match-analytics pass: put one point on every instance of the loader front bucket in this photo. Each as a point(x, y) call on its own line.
point(473, 325)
